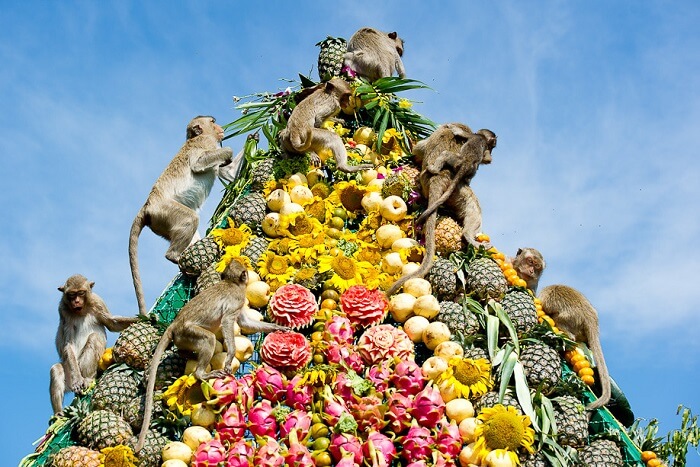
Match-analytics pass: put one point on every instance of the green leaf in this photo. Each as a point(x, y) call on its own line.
point(505, 319)
point(492, 325)
point(506, 371)
point(523, 392)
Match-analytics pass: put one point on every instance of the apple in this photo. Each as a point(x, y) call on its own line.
point(271, 224)
point(277, 199)
point(393, 208)
point(372, 201)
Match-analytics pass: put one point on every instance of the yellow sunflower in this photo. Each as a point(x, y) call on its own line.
point(369, 226)
point(184, 394)
point(299, 223)
point(413, 254)
point(391, 146)
point(232, 235)
point(317, 209)
point(467, 376)
point(348, 194)
point(338, 128)
point(232, 253)
point(275, 267)
point(503, 428)
point(307, 248)
point(272, 185)
point(346, 271)
point(280, 245)
point(370, 252)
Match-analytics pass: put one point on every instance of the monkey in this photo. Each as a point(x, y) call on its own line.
point(304, 133)
point(373, 54)
point(81, 338)
point(218, 306)
point(529, 264)
point(575, 315)
point(172, 207)
point(452, 147)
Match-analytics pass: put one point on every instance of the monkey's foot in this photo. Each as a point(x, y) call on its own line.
point(216, 374)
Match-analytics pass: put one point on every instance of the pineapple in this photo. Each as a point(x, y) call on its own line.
point(198, 256)
point(76, 456)
point(534, 460)
point(330, 57)
point(457, 319)
point(448, 236)
point(485, 280)
point(150, 454)
point(542, 366)
point(601, 453)
point(171, 367)
point(475, 353)
point(443, 279)
point(101, 429)
point(209, 276)
point(400, 182)
point(136, 344)
point(571, 421)
point(520, 308)
point(255, 248)
point(249, 210)
point(262, 173)
point(114, 390)
point(490, 399)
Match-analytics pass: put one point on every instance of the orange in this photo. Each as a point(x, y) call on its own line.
point(585, 371)
point(329, 304)
point(589, 380)
point(648, 455)
point(654, 463)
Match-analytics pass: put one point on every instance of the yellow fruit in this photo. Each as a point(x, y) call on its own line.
point(176, 450)
point(648, 455)
point(106, 359)
point(202, 416)
point(654, 463)
point(589, 380)
point(578, 366)
point(585, 371)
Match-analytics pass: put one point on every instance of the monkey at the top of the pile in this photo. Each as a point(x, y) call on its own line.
point(222, 306)
point(316, 105)
point(571, 312)
point(449, 157)
point(172, 207)
point(374, 54)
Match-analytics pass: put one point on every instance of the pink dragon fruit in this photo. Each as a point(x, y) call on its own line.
point(333, 408)
point(398, 413)
point(209, 454)
point(344, 444)
point(368, 412)
point(342, 354)
point(338, 329)
point(379, 450)
point(347, 461)
point(299, 396)
point(428, 407)
point(224, 390)
point(240, 454)
point(408, 378)
point(417, 444)
point(298, 421)
point(232, 426)
point(269, 383)
point(420, 463)
point(268, 454)
point(343, 387)
point(380, 375)
point(448, 439)
point(261, 419)
point(297, 455)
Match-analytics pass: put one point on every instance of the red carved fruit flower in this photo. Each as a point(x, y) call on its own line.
point(292, 305)
point(286, 350)
point(364, 307)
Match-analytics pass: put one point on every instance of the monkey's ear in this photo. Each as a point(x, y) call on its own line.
point(62, 288)
point(393, 35)
point(243, 277)
point(92, 284)
point(520, 250)
point(197, 130)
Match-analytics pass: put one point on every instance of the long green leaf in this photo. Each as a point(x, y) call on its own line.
point(523, 393)
point(492, 325)
point(506, 372)
point(505, 319)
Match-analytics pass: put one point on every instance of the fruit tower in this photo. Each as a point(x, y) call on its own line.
point(459, 368)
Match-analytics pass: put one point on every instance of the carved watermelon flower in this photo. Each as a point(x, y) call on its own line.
point(364, 307)
point(286, 351)
point(292, 305)
point(384, 342)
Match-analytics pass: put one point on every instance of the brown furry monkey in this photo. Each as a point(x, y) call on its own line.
point(529, 264)
point(450, 157)
point(172, 207)
point(374, 54)
point(193, 329)
point(304, 133)
point(81, 338)
point(575, 315)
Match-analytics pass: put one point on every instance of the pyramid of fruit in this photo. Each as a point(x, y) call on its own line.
point(461, 367)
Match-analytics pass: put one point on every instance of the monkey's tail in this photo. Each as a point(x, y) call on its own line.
point(136, 228)
point(427, 262)
point(432, 207)
point(150, 387)
point(597, 351)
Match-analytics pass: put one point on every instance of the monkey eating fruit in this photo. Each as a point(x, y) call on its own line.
point(374, 54)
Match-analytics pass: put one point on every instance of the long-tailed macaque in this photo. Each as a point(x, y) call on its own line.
point(529, 264)
point(81, 338)
point(374, 54)
point(316, 105)
point(218, 306)
point(450, 158)
point(172, 207)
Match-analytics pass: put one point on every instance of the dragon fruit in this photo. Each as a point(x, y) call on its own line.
point(448, 439)
point(380, 374)
point(245, 392)
point(379, 450)
point(397, 414)
point(298, 421)
point(343, 444)
point(299, 396)
point(333, 408)
point(268, 454)
point(338, 329)
point(224, 390)
point(428, 407)
point(297, 455)
point(408, 378)
point(269, 383)
point(347, 461)
point(417, 444)
point(343, 354)
point(343, 387)
point(369, 413)
point(232, 426)
point(240, 454)
point(209, 454)
point(261, 419)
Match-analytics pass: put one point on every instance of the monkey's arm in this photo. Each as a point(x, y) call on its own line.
point(203, 160)
point(435, 165)
point(111, 322)
point(227, 173)
point(399, 67)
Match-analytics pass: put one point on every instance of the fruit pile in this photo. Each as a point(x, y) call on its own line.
point(459, 368)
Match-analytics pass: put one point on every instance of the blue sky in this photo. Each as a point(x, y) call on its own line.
point(596, 107)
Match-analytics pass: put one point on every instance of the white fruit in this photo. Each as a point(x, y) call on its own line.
point(401, 307)
point(467, 428)
point(301, 194)
point(193, 436)
point(314, 176)
point(427, 306)
point(174, 463)
point(377, 182)
point(371, 157)
point(449, 349)
point(371, 201)
point(368, 175)
point(459, 409)
point(415, 325)
point(277, 199)
point(244, 348)
point(364, 135)
point(271, 225)
point(433, 367)
point(448, 391)
point(202, 416)
point(291, 208)
point(258, 293)
point(393, 208)
point(467, 456)
point(252, 276)
point(297, 179)
point(361, 149)
point(217, 360)
point(409, 268)
point(218, 347)
point(392, 263)
point(435, 333)
point(191, 364)
point(499, 458)
point(419, 287)
point(177, 451)
point(388, 234)
point(403, 243)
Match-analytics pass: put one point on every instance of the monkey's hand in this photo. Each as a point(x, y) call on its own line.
point(216, 374)
point(79, 384)
point(314, 159)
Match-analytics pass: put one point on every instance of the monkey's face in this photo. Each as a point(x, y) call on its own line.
point(76, 300)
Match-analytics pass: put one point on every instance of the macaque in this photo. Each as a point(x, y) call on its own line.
point(304, 133)
point(529, 264)
point(450, 157)
point(218, 306)
point(373, 54)
point(81, 338)
point(172, 207)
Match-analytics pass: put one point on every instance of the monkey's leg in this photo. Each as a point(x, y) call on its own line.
point(202, 342)
point(328, 139)
point(178, 224)
point(57, 387)
point(89, 358)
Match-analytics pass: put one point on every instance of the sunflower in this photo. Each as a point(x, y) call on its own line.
point(183, 395)
point(369, 226)
point(299, 223)
point(413, 254)
point(232, 235)
point(280, 246)
point(346, 272)
point(232, 253)
point(504, 429)
point(306, 249)
point(391, 145)
point(275, 267)
point(272, 185)
point(317, 209)
point(370, 252)
point(348, 194)
point(467, 376)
